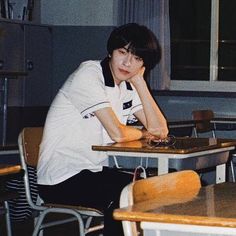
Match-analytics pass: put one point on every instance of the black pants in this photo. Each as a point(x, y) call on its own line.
point(99, 190)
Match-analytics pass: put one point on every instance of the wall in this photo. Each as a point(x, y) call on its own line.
point(73, 45)
point(75, 12)
point(80, 31)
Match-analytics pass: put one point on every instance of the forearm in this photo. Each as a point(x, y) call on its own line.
point(128, 133)
point(118, 132)
point(155, 121)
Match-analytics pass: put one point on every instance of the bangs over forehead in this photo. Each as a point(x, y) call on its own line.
point(140, 40)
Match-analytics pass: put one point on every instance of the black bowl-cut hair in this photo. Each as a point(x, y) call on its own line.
point(141, 41)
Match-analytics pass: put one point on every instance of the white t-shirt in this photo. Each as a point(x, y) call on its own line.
point(71, 126)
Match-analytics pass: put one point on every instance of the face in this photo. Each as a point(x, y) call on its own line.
point(124, 64)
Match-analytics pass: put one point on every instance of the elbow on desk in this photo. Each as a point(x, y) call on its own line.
point(124, 134)
point(118, 138)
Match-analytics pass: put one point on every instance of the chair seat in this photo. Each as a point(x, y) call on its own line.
point(79, 208)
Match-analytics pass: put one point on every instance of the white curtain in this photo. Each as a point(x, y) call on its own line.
point(155, 15)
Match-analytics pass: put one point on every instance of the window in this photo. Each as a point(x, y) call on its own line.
point(203, 45)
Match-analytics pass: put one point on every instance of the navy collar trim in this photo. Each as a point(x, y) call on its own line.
point(108, 78)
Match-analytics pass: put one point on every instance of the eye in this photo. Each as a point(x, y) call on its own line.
point(137, 58)
point(122, 51)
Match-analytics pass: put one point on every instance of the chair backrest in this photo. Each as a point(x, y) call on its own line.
point(182, 185)
point(169, 185)
point(28, 141)
point(205, 116)
point(31, 139)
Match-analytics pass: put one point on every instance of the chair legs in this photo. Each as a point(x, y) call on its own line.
point(7, 217)
point(232, 170)
point(39, 224)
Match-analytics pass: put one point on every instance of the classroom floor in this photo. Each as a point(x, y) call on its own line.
point(25, 228)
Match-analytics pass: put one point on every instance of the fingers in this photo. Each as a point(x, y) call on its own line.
point(138, 77)
point(142, 70)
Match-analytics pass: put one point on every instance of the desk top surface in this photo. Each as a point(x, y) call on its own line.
point(172, 122)
point(225, 120)
point(7, 169)
point(183, 145)
point(192, 123)
point(213, 205)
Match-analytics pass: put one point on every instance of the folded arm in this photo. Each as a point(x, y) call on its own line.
point(151, 116)
point(116, 130)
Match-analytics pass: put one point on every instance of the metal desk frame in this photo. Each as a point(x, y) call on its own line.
point(163, 159)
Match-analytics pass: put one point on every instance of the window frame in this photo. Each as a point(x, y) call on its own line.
point(212, 84)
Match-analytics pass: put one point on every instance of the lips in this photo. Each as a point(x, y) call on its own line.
point(124, 72)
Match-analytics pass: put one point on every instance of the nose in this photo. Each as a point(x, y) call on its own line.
point(127, 59)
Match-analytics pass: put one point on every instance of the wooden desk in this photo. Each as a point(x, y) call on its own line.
point(192, 123)
point(6, 169)
point(210, 209)
point(224, 120)
point(181, 128)
point(224, 123)
point(176, 127)
point(182, 123)
point(186, 153)
point(174, 123)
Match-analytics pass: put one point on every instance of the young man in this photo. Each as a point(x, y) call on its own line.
point(92, 108)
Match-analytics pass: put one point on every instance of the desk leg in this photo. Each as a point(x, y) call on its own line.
point(220, 173)
point(163, 165)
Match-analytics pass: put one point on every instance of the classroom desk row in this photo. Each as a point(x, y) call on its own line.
point(185, 127)
point(210, 210)
point(228, 122)
point(184, 153)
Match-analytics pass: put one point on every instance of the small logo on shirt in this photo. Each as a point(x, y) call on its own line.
point(90, 115)
point(127, 105)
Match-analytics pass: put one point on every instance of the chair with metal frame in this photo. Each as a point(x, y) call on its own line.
point(233, 160)
point(5, 196)
point(203, 125)
point(7, 171)
point(29, 140)
point(177, 185)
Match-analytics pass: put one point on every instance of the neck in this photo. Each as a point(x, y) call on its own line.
point(117, 82)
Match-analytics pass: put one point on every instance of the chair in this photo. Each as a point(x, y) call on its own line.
point(203, 124)
point(233, 160)
point(28, 141)
point(177, 185)
point(7, 171)
point(5, 196)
